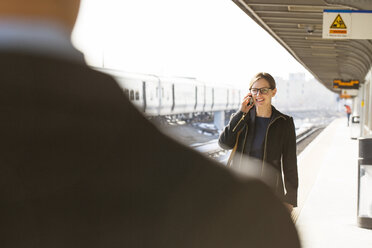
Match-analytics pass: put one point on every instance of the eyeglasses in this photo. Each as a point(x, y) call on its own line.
point(263, 91)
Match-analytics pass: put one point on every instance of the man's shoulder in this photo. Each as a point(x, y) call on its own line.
point(219, 204)
point(57, 78)
point(33, 60)
point(205, 174)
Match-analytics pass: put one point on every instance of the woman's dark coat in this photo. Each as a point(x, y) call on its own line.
point(279, 149)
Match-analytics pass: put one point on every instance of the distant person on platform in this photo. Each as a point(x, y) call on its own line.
point(348, 113)
point(260, 131)
point(81, 167)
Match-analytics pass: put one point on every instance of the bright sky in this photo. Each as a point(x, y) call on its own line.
point(211, 40)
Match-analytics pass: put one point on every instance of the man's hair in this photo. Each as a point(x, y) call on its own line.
point(265, 76)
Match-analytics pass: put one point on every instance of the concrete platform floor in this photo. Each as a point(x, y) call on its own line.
point(328, 176)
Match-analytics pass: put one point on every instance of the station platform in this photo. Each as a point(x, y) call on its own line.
point(326, 215)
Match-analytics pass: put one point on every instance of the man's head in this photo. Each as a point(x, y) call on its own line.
point(60, 11)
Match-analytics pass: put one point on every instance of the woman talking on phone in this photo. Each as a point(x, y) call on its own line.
point(260, 131)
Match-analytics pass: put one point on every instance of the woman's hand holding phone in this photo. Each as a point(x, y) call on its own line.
point(247, 103)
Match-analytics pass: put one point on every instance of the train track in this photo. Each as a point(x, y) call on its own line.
point(305, 134)
point(210, 148)
point(213, 150)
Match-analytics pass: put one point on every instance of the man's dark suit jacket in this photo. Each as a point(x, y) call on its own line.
point(81, 167)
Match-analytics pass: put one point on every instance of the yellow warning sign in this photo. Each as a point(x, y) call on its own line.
point(338, 23)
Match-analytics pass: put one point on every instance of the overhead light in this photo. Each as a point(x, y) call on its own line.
point(315, 38)
point(324, 54)
point(305, 8)
point(304, 26)
point(322, 47)
point(324, 65)
point(312, 8)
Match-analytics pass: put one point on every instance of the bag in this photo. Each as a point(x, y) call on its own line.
point(229, 162)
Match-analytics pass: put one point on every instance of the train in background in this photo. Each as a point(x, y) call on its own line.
point(160, 96)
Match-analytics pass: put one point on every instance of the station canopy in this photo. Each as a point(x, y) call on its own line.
point(298, 26)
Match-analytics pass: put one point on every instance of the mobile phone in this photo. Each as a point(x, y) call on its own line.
point(250, 102)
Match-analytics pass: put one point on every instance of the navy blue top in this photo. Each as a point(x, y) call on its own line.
point(261, 125)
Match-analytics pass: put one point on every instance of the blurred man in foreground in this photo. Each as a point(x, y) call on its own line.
point(81, 167)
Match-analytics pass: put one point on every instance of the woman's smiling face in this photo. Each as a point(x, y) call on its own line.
point(261, 98)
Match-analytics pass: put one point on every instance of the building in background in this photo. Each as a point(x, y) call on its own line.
point(300, 94)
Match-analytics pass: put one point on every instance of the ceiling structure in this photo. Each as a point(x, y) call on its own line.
point(297, 26)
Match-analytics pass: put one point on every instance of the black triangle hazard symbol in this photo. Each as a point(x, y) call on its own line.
point(338, 23)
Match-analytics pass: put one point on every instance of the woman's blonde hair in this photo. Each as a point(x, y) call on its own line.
point(265, 76)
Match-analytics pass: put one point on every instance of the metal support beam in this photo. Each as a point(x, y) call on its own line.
point(219, 119)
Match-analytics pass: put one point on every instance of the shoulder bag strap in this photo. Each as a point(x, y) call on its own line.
point(234, 150)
